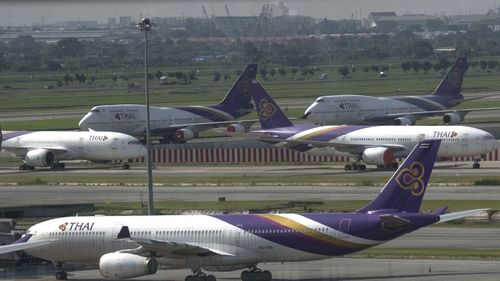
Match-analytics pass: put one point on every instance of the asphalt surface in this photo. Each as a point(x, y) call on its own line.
point(334, 269)
point(488, 168)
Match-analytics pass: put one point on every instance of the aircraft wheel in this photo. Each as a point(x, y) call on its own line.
point(125, 166)
point(394, 166)
point(244, 275)
point(476, 165)
point(210, 278)
point(190, 278)
point(347, 167)
point(62, 166)
point(362, 167)
point(266, 275)
point(61, 275)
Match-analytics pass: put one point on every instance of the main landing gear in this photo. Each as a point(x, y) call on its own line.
point(476, 164)
point(25, 167)
point(60, 273)
point(355, 166)
point(57, 166)
point(125, 166)
point(255, 274)
point(198, 275)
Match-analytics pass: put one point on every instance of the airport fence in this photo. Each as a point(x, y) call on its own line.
point(259, 155)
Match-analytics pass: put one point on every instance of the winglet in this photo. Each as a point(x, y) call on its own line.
point(124, 233)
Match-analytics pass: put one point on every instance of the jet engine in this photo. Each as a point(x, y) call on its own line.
point(453, 118)
point(378, 156)
point(404, 121)
point(39, 158)
point(183, 135)
point(236, 128)
point(123, 265)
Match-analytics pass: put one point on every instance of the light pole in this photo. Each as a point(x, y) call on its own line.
point(145, 25)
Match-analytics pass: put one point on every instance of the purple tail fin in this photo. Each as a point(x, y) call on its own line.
point(237, 102)
point(405, 190)
point(270, 115)
point(451, 85)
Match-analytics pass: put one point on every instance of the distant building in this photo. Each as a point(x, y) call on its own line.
point(237, 26)
point(77, 25)
point(391, 21)
point(125, 21)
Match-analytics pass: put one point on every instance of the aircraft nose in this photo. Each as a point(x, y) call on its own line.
point(84, 122)
point(309, 110)
point(142, 151)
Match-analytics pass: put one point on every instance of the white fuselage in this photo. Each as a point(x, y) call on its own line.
point(131, 119)
point(455, 140)
point(86, 239)
point(358, 109)
point(71, 145)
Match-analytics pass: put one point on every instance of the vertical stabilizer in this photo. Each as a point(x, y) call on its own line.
point(406, 188)
point(237, 102)
point(451, 85)
point(270, 115)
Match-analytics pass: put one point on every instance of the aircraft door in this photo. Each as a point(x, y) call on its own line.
point(344, 226)
point(80, 148)
point(464, 140)
point(114, 147)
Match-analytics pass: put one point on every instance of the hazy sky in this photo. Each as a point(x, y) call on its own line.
point(27, 12)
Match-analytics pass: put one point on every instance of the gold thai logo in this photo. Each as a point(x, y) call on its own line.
point(63, 226)
point(266, 109)
point(411, 178)
point(244, 87)
point(455, 78)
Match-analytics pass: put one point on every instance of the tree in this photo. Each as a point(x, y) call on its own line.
point(492, 64)
point(344, 71)
point(263, 73)
point(426, 66)
point(405, 66)
point(216, 76)
point(416, 65)
point(159, 74)
point(483, 65)
point(272, 72)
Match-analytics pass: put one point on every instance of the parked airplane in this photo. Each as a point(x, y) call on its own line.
point(378, 145)
point(403, 110)
point(49, 148)
point(176, 124)
point(133, 246)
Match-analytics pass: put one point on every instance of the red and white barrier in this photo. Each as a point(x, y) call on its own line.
point(257, 155)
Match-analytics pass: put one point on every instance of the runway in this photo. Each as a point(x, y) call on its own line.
point(335, 269)
point(449, 169)
point(73, 194)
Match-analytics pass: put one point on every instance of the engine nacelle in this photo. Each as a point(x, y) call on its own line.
point(404, 121)
point(453, 118)
point(378, 156)
point(236, 128)
point(39, 158)
point(123, 265)
point(185, 134)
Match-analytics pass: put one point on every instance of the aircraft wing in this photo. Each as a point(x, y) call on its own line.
point(169, 247)
point(23, 246)
point(22, 150)
point(459, 215)
point(174, 127)
point(434, 112)
point(340, 145)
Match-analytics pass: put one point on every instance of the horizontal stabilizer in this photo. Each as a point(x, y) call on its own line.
point(460, 215)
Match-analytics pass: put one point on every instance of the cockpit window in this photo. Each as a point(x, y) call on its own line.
point(95, 110)
point(134, 142)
